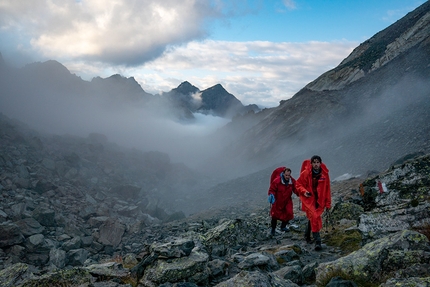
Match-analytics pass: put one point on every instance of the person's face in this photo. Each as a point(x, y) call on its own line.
point(287, 175)
point(316, 164)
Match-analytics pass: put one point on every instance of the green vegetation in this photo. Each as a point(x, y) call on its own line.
point(424, 229)
point(347, 241)
point(63, 278)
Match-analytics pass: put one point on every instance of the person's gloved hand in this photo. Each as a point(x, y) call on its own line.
point(271, 199)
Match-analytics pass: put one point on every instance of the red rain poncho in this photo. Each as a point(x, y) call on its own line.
point(282, 209)
point(304, 183)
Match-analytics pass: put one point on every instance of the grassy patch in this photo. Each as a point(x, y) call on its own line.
point(347, 241)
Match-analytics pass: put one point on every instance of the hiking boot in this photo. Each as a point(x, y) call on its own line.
point(285, 229)
point(318, 246)
point(308, 239)
point(273, 232)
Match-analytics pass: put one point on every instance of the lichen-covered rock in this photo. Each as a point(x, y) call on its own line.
point(397, 199)
point(179, 247)
point(65, 277)
point(407, 282)
point(406, 184)
point(345, 210)
point(256, 279)
point(108, 270)
point(379, 258)
point(258, 260)
point(230, 233)
point(293, 273)
point(14, 275)
point(192, 268)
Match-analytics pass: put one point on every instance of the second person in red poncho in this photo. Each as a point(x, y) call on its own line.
point(282, 186)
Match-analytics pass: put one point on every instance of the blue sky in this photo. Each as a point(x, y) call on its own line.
point(260, 51)
point(301, 21)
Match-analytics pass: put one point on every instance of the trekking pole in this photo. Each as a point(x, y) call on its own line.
point(326, 219)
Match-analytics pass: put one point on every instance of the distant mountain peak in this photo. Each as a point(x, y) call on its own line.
point(186, 88)
point(51, 67)
point(218, 88)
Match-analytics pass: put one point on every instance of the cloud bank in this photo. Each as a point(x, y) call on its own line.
point(161, 44)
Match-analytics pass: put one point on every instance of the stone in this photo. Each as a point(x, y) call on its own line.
point(10, 234)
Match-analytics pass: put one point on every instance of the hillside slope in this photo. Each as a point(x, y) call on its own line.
point(368, 111)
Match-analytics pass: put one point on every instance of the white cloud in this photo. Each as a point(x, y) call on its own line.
point(160, 43)
point(121, 32)
point(255, 72)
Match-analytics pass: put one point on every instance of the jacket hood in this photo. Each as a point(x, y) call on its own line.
point(307, 165)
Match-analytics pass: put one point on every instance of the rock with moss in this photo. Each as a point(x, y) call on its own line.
point(406, 184)
point(256, 279)
point(345, 210)
point(397, 199)
point(231, 233)
point(108, 270)
point(192, 268)
point(15, 274)
point(175, 248)
point(379, 260)
point(407, 282)
point(65, 277)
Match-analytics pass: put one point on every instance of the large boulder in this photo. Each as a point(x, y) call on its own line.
point(192, 268)
point(382, 258)
point(256, 279)
point(10, 234)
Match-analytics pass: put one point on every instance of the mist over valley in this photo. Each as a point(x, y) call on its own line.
point(360, 117)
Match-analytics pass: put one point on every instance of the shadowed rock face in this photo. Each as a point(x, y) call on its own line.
point(381, 258)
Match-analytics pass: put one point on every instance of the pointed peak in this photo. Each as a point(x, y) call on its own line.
point(217, 88)
point(186, 88)
point(185, 84)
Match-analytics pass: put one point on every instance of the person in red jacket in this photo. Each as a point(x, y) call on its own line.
point(313, 186)
point(282, 186)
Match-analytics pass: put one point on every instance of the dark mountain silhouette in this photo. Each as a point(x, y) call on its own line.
point(52, 78)
point(120, 88)
point(214, 100)
point(184, 98)
point(217, 100)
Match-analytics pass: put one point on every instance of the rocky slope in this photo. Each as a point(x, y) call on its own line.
point(368, 111)
point(73, 214)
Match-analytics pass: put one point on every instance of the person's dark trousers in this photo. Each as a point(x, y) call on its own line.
point(273, 225)
point(308, 232)
point(317, 238)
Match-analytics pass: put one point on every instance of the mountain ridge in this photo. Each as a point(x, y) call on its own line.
point(117, 88)
point(324, 116)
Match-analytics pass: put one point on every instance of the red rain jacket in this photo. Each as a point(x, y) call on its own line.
point(304, 183)
point(282, 209)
